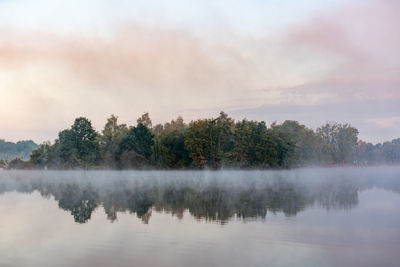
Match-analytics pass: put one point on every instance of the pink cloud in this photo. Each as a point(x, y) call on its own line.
point(366, 38)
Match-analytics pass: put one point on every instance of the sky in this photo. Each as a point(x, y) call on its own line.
point(271, 60)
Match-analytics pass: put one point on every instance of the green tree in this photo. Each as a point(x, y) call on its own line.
point(176, 153)
point(209, 141)
point(258, 146)
point(169, 148)
point(246, 135)
point(139, 139)
point(111, 137)
point(161, 154)
point(41, 156)
point(79, 145)
point(306, 142)
point(337, 142)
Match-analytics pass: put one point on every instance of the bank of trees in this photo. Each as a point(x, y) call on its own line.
point(21, 149)
point(205, 143)
point(381, 153)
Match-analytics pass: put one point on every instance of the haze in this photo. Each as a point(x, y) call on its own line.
point(312, 61)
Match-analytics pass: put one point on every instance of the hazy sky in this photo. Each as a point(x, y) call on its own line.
point(313, 61)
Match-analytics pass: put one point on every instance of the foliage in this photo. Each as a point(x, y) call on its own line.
point(21, 149)
point(337, 142)
point(18, 163)
point(255, 145)
point(79, 145)
point(110, 140)
point(306, 142)
point(40, 156)
point(139, 139)
point(209, 143)
point(169, 149)
point(386, 153)
point(145, 120)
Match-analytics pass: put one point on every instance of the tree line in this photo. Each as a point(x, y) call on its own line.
point(206, 143)
point(385, 153)
point(21, 149)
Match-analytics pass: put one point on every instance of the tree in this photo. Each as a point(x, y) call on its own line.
point(40, 156)
point(178, 125)
point(139, 139)
point(145, 120)
point(169, 148)
point(337, 142)
point(282, 146)
point(210, 140)
point(247, 135)
point(258, 146)
point(21, 149)
point(173, 147)
point(110, 140)
point(18, 164)
point(78, 145)
point(391, 151)
point(305, 140)
point(67, 148)
point(212, 143)
point(161, 154)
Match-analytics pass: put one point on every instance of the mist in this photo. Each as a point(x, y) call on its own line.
point(207, 195)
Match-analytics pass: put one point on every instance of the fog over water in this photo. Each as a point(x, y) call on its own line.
point(305, 217)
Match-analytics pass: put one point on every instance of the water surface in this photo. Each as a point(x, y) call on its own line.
point(306, 217)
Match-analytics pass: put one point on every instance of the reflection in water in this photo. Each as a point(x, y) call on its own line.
point(80, 201)
point(213, 196)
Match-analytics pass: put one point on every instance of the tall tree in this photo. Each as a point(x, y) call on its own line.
point(258, 146)
point(145, 120)
point(210, 140)
point(337, 142)
point(41, 156)
point(305, 140)
point(169, 148)
point(139, 139)
point(247, 135)
point(78, 145)
point(172, 147)
point(111, 137)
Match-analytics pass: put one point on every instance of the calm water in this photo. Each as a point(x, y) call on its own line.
point(307, 217)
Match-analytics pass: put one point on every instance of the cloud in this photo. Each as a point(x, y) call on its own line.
point(364, 37)
point(165, 71)
point(339, 57)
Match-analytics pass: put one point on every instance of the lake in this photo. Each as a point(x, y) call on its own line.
point(304, 217)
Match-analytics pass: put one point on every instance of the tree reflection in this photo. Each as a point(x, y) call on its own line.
point(81, 202)
point(205, 199)
point(338, 196)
